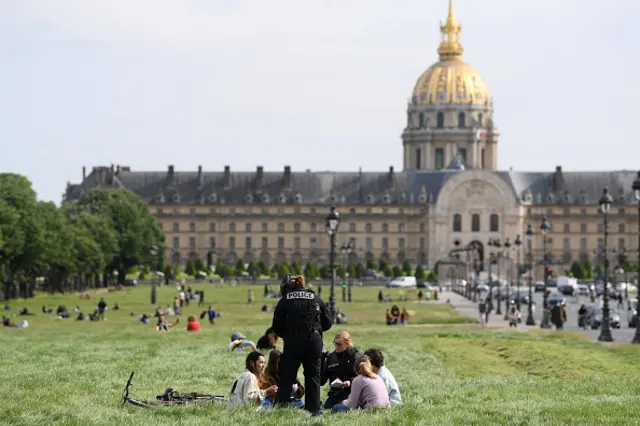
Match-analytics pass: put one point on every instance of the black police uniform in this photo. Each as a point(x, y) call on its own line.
point(338, 365)
point(300, 319)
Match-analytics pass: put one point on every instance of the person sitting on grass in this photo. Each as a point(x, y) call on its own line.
point(367, 389)
point(246, 389)
point(270, 378)
point(337, 369)
point(163, 325)
point(269, 340)
point(377, 362)
point(192, 323)
point(239, 342)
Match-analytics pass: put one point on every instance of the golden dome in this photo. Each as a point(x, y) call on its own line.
point(450, 80)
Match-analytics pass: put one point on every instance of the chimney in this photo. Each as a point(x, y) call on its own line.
point(286, 181)
point(200, 176)
point(170, 174)
point(390, 174)
point(84, 173)
point(259, 177)
point(558, 179)
point(227, 177)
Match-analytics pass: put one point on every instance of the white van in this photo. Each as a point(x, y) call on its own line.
point(403, 282)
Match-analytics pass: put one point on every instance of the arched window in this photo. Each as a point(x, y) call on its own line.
point(461, 120)
point(421, 120)
point(440, 120)
point(475, 223)
point(494, 223)
point(480, 119)
point(418, 155)
point(457, 222)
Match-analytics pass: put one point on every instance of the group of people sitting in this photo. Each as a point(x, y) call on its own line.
point(393, 315)
point(358, 380)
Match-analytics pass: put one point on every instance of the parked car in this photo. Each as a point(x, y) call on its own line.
point(404, 282)
point(583, 290)
point(539, 287)
point(556, 298)
point(130, 282)
point(614, 319)
point(567, 290)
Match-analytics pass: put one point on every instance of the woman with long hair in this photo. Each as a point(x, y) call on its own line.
point(246, 389)
point(367, 389)
point(270, 378)
point(338, 369)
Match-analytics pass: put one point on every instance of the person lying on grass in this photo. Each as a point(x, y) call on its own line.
point(246, 390)
point(377, 362)
point(192, 323)
point(163, 325)
point(367, 389)
point(239, 342)
point(270, 378)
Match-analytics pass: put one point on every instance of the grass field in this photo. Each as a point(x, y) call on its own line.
point(65, 372)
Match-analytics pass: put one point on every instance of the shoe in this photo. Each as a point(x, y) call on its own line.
point(317, 413)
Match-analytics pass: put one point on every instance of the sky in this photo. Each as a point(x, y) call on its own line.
point(320, 85)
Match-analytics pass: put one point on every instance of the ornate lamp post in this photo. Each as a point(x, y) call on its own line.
point(636, 192)
point(507, 246)
point(622, 260)
point(489, 263)
point(517, 244)
point(153, 251)
point(346, 249)
point(605, 330)
point(529, 234)
point(332, 224)
point(498, 245)
point(544, 230)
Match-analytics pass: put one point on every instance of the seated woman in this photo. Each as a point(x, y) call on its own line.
point(338, 369)
point(164, 325)
point(367, 389)
point(377, 362)
point(270, 378)
point(269, 340)
point(245, 390)
point(192, 323)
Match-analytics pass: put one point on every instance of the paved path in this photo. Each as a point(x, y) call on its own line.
point(469, 308)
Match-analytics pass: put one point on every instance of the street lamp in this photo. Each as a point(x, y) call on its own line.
point(347, 248)
point(636, 192)
point(529, 234)
point(605, 331)
point(332, 224)
point(544, 230)
point(517, 243)
point(153, 251)
point(507, 246)
point(622, 261)
point(498, 245)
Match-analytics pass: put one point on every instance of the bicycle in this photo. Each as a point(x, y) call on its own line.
point(169, 398)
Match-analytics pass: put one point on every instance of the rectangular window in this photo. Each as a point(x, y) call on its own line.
point(457, 222)
point(265, 243)
point(369, 243)
point(583, 244)
point(313, 243)
point(176, 243)
point(583, 228)
point(567, 228)
point(475, 223)
point(401, 227)
point(265, 227)
point(385, 244)
point(247, 227)
point(212, 227)
point(600, 228)
point(247, 243)
point(314, 227)
point(422, 228)
point(423, 244)
point(385, 227)
point(176, 227)
point(296, 227)
point(192, 243)
point(621, 244)
point(566, 244)
point(232, 227)
point(400, 243)
point(296, 243)
point(232, 243)
point(280, 227)
point(281, 243)
point(212, 242)
point(439, 158)
point(192, 227)
point(621, 228)
point(418, 155)
point(462, 152)
point(494, 223)
point(352, 227)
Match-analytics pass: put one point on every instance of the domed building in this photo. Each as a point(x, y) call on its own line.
point(449, 195)
point(450, 114)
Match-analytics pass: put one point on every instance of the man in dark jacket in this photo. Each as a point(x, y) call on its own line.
point(300, 318)
point(338, 369)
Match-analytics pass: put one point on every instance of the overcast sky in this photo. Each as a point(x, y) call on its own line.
point(317, 84)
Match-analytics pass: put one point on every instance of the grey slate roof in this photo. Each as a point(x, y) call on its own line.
point(389, 187)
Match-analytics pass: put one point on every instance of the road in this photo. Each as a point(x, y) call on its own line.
point(624, 334)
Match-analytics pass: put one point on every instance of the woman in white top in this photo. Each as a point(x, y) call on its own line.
point(246, 389)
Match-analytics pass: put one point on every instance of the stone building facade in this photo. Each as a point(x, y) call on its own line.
point(448, 193)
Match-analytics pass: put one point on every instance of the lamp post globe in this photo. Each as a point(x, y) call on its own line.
point(153, 251)
point(332, 223)
point(605, 329)
point(636, 192)
point(529, 236)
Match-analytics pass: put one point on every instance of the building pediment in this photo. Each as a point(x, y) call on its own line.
point(476, 190)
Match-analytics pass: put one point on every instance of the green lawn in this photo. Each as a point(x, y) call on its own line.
point(66, 372)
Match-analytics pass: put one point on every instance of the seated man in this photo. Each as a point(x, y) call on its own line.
point(377, 362)
point(239, 342)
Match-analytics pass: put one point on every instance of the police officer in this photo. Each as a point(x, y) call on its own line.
point(300, 319)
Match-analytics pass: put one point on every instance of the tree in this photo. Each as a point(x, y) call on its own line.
point(588, 269)
point(372, 266)
point(309, 271)
point(340, 272)
point(420, 274)
point(296, 268)
point(406, 268)
point(190, 268)
point(384, 264)
point(199, 265)
point(264, 269)
point(252, 269)
point(578, 271)
point(397, 272)
point(359, 271)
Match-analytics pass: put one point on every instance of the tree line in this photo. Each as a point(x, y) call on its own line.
point(89, 242)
